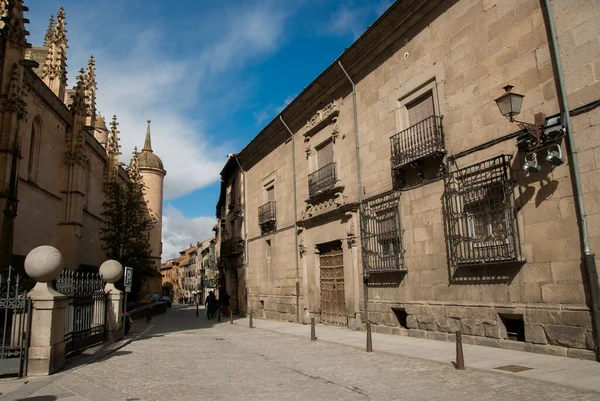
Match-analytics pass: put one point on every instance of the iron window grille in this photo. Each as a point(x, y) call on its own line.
point(479, 214)
point(267, 213)
point(382, 235)
point(423, 139)
point(321, 180)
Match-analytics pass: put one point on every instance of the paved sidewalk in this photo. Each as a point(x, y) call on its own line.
point(181, 357)
point(578, 373)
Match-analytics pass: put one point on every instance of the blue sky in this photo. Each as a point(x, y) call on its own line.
point(208, 74)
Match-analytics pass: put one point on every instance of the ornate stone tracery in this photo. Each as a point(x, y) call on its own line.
point(322, 115)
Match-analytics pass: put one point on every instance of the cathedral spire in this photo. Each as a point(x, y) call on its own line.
point(90, 90)
point(147, 143)
point(79, 105)
point(60, 25)
point(50, 33)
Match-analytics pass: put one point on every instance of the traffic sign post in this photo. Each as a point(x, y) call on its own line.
point(127, 281)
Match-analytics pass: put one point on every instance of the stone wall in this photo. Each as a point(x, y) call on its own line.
point(464, 55)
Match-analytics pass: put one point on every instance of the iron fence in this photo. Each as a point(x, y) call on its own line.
point(382, 234)
point(479, 214)
point(267, 213)
point(15, 312)
point(85, 322)
point(321, 180)
point(418, 141)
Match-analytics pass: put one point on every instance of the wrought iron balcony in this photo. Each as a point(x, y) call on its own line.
point(425, 138)
point(321, 180)
point(232, 246)
point(267, 213)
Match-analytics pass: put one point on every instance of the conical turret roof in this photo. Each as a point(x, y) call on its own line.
point(146, 158)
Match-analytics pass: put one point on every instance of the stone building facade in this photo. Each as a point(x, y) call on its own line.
point(468, 221)
point(56, 150)
point(230, 234)
point(172, 279)
point(208, 269)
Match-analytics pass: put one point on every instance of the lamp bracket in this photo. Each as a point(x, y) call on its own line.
point(534, 129)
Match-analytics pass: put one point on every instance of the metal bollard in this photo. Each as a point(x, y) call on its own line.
point(460, 360)
point(219, 315)
point(313, 336)
point(250, 320)
point(230, 316)
point(369, 341)
point(197, 310)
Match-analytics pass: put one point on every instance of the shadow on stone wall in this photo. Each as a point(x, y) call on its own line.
point(386, 280)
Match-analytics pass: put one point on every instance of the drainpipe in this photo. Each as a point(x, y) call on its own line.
point(244, 255)
point(588, 257)
point(361, 212)
point(295, 221)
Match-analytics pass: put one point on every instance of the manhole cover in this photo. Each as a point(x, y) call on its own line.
point(514, 368)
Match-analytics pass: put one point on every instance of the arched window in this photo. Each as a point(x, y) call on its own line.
point(34, 149)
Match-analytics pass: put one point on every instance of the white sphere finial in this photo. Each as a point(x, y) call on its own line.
point(44, 264)
point(111, 271)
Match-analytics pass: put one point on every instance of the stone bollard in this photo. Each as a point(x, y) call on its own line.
point(111, 271)
point(46, 352)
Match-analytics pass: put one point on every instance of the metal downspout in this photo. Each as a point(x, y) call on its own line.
point(244, 260)
point(295, 221)
point(588, 257)
point(360, 208)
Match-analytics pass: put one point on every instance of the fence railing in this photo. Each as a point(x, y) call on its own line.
point(15, 313)
point(423, 139)
point(267, 213)
point(231, 246)
point(321, 180)
point(85, 322)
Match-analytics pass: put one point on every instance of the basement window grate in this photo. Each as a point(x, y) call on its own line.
point(402, 316)
point(515, 327)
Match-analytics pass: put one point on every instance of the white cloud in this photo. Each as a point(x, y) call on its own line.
point(179, 232)
point(270, 111)
point(346, 20)
point(140, 79)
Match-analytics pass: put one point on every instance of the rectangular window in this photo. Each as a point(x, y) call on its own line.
point(479, 214)
point(270, 193)
point(420, 109)
point(325, 154)
point(383, 243)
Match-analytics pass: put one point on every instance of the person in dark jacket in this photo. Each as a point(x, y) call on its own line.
point(212, 304)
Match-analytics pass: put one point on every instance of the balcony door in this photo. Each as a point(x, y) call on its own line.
point(420, 109)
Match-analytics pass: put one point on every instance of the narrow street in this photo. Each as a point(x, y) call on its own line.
point(181, 357)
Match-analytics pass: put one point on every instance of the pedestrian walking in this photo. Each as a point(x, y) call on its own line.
point(212, 305)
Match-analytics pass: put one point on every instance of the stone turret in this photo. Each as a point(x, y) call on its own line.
point(153, 173)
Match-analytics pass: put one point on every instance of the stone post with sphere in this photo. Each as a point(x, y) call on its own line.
point(46, 355)
point(111, 271)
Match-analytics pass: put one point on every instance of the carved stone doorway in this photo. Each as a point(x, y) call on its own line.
point(333, 304)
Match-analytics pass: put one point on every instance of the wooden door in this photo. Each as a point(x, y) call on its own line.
point(333, 305)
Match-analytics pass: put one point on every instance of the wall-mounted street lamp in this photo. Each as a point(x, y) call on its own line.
point(537, 134)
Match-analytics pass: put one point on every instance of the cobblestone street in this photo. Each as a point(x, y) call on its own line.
point(181, 357)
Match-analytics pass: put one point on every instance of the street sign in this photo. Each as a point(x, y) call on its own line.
point(128, 289)
point(128, 277)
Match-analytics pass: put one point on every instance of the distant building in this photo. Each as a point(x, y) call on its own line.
point(172, 279)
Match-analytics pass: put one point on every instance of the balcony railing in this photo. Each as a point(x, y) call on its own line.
point(231, 246)
point(267, 213)
point(321, 180)
point(421, 140)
